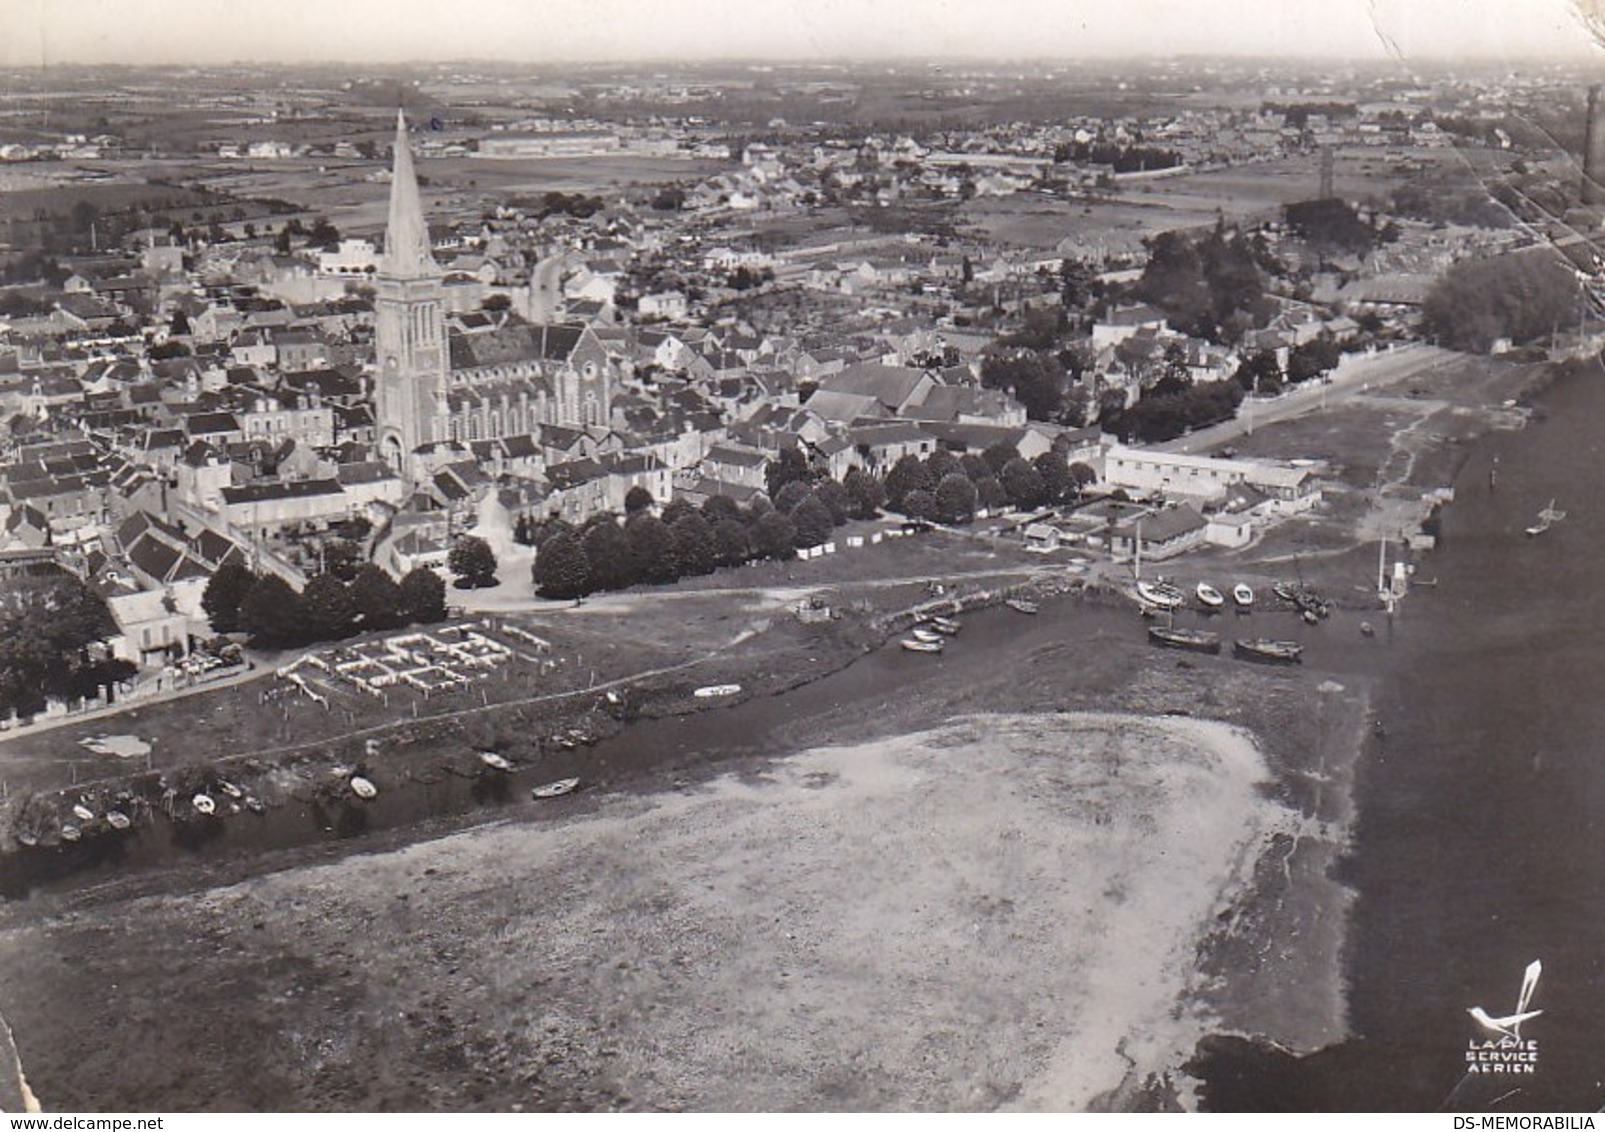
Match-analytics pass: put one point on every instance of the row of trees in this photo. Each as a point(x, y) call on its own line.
point(950, 488)
point(52, 643)
point(1522, 297)
point(237, 600)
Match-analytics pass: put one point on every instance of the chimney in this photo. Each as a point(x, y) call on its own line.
point(1594, 150)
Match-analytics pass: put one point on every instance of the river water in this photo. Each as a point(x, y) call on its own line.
point(1479, 846)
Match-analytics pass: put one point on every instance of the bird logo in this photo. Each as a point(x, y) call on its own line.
point(1509, 1026)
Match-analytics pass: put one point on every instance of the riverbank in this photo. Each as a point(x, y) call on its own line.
point(296, 944)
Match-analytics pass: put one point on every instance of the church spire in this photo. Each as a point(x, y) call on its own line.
point(406, 236)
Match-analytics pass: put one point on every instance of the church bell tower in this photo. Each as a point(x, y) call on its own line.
point(410, 406)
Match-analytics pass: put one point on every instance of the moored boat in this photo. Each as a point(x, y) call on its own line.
point(946, 625)
point(555, 789)
point(203, 804)
point(70, 832)
point(494, 761)
point(1021, 605)
point(1260, 648)
point(1159, 595)
point(83, 812)
point(1208, 596)
point(1196, 640)
point(117, 819)
point(230, 789)
point(1243, 595)
point(363, 788)
point(713, 690)
point(929, 636)
point(913, 645)
point(255, 804)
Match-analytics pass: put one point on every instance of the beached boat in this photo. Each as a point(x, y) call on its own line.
point(117, 819)
point(713, 690)
point(913, 645)
point(555, 789)
point(1021, 605)
point(363, 788)
point(83, 812)
point(1259, 648)
point(70, 832)
point(230, 789)
point(1547, 518)
point(946, 625)
point(494, 761)
point(1159, 595)
point(1243, 595)
point(27, 838)
point(929, 636)
point(1196, 640)
point(1208, 596)
point(203, 804)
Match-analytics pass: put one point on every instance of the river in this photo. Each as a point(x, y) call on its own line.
point(1478, 846)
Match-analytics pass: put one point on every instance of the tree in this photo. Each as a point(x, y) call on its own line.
point(908, 474)
point(813, 523)
point(790, 495)
point(1057, 483)
point(423, 595)
point(791, 466)
point(607, 552)
point(180, 324)
point(1523, 297)
point(1082, 474)
point(50, 631)
point(329, 611)
point(717, 508)
point(342, 557)
point(774, 536)
point(675, 510)
point(942, 463)
point(473, 561)
point(376, 598)
point(223, 594)
point(693, 545)
point(835, 498)
point(637, 500)
point(990, 494)
point(865, 493)
point(998, 455)
point(272, 614)
point(651, 549)
point(955, 499)
point(919, 504)
point(1024, 484)
point(1034, 377)
point(1260, 372)
point(731, 544)
point(561, 570)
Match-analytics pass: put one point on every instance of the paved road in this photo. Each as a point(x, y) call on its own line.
point(1358, 376)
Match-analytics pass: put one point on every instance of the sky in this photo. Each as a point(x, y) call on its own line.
point(43, 32)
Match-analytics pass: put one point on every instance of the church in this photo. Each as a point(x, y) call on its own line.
point(435, 388)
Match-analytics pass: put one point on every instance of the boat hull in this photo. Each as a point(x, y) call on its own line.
point(1269, 652)
point(1191, 640)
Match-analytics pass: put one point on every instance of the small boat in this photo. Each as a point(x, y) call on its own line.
point(1208, 596)
point(1196, 640)
point(255, 804)
point(556, 789)
point(1021, 605)
point(1258, 648)
point(1310, 617)
point(70, 832)
point(230, 789)
point(713, 690)
point(203, 804)
point(1367, 629)
point(1547, 518)
point(27, 838)
point(494, 761)
point(83, 812)
point(117, 819)
point(913, 645)
point(929, 636)
point(946, 625)
point(1243, 596)
point(1159, 595)
point(362, 788)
